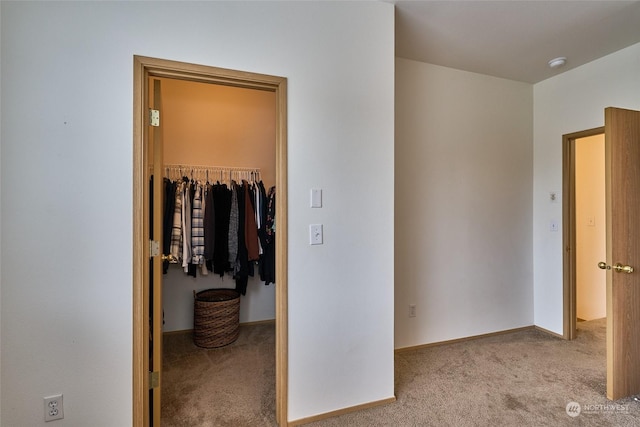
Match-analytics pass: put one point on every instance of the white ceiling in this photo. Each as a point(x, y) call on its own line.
point(514, 39)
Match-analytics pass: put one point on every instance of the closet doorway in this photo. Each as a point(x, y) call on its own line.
point(147, 283)
point(622, 206)
point(580, 221)
point(591, 233)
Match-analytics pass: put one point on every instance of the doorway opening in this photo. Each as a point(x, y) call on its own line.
point(622, 155)
point(584, 230)
point(144, 68)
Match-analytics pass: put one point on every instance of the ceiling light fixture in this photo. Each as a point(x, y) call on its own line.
point(557, 62)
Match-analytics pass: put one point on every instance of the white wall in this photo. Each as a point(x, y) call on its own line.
point(591, 230)
point(67, 197)
point(570, 102)
point(463, 204)
point(257, 305)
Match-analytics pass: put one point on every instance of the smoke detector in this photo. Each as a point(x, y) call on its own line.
point(557, 62)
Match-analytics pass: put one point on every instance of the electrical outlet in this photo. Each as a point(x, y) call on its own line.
point(412, 310)
point(53, 408)
point(315, 234)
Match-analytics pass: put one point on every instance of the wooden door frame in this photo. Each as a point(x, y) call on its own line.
point(145, 67)
point(569, 228)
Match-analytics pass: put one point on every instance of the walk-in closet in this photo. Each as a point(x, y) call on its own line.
point(219, 144)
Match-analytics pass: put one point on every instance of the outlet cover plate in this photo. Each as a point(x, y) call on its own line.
point(315, 234)
point(53, 408)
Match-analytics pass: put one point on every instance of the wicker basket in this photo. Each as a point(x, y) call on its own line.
point(216, 320)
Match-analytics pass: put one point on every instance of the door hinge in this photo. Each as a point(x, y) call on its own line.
point(154, 248)
point(154, 379)
point(154, 117)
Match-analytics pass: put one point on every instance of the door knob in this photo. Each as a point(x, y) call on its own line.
point(618, 267)
point(169, 258)
point(623, 268)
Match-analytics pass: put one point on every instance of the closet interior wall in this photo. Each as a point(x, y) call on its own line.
point(215, 125)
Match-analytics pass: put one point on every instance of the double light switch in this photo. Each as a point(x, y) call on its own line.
point(315, 230)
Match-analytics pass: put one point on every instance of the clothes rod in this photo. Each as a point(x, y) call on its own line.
point(224, 174)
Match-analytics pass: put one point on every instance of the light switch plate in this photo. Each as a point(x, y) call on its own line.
point(316, 198)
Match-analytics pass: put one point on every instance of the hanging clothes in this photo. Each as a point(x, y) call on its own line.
point(186, 225)
point(223, 229)
point(257, 213)
point(197, 227)
point(209, 227)
point(242, 263)
point(167, 220)
point(250, 227)
point(268, 265)
point(176, 229)
point(202, 262)
point(233, 230)
point(222, 206)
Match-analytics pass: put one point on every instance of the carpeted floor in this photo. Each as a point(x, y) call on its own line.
point(229, 386)
point(525, 378)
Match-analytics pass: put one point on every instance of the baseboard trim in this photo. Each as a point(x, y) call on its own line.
point(190, 331)
point(179, 332)
point(259, 322)
point(548, 332)
point(459, 340)
point(343, 411)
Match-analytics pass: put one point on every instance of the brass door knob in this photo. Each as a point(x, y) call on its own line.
point(623, 268)
point(618, 267)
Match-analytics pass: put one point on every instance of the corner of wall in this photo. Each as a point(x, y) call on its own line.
point(1, 26)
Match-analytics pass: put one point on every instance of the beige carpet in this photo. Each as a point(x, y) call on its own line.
point(520, 379)
point(229, 386)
